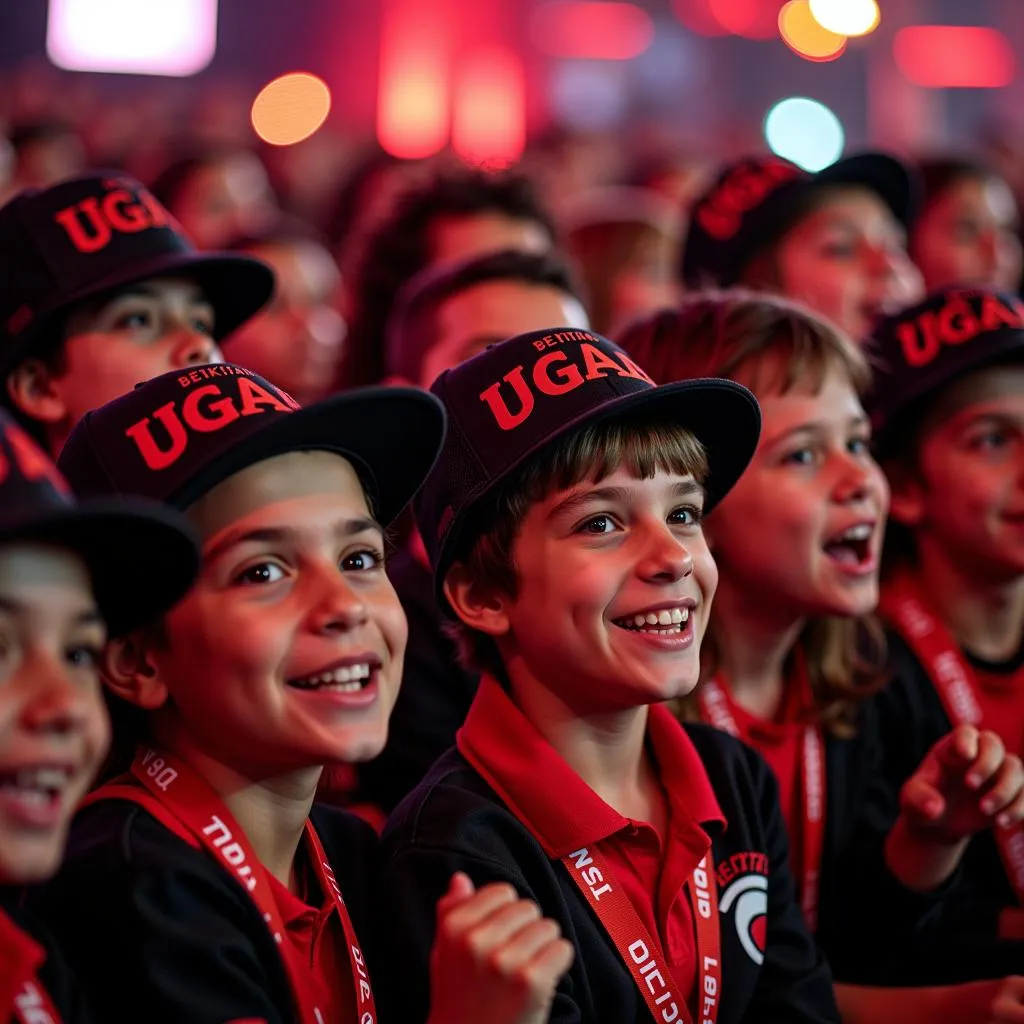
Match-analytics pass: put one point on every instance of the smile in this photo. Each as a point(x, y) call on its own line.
point(347, 677)
point(664, 621)
point(852, 547)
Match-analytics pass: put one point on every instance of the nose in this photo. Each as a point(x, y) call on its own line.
point(59, 705)
point(192, 347)
point(338, 607)
point(884, 261)
point(855, 478)
point(664, 558)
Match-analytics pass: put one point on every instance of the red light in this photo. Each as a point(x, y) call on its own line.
point(489, 123)
point(412, 99)
point(697, 16)
point(755, 19)
point(591, 29)
point(954, 57)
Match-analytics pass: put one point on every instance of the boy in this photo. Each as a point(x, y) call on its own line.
point(216, 883)
point(563, 525)
point(948, 411)
point(63, 584)
point(99, 290)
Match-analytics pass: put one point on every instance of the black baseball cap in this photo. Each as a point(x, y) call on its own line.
point(520, 395)
point(920, 350)
point(142, 557)
point(84, 237)
point(178, 435)
point(753, 202)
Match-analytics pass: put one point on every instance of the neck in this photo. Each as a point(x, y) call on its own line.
point(604, 748)
point(758, 644)
point(271, 811)
point(985, 616)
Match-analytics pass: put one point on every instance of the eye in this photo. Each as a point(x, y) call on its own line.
point(859, 446)
point(84, 656)
point(137, 320)
point(362, 561)
point(201, 322)
point(990, 440)
point(686, 515)
point(597, 525)
point(260, 574)
point(799, 457)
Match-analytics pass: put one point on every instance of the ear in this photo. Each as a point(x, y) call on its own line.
point(30, 387)
point(480, 606)
point(130, 671)
point(906, 504)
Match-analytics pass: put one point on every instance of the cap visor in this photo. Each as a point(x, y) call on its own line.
point(879, 173)
point(392, 435)
point(141, 557)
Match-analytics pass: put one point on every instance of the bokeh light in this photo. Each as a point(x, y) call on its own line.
point(489, 115)
point(847, 17)
point(804, 35)
point(955, 57)
point(156, 37)
point(804, 131)
point(754, 19)
point(290, 108)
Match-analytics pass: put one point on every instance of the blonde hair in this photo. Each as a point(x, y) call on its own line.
point(771, 345)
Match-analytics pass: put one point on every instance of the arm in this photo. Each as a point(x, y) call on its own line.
point(946, 1004)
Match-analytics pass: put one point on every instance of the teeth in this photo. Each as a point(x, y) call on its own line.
point(861, 532)
point(666, 617)
point(42, 781)
point(345, 679)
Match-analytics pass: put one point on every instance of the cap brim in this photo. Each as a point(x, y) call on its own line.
point(884, 175)
point(141, 557)
point(723, 415)
point(236, 287)
point(392, 435)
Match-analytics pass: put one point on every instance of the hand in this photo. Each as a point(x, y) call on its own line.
point(495, 959)
point(965, 783)
point(1008, 1005)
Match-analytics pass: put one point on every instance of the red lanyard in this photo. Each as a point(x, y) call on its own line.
point(640, 951)
point(714, 708)
point(186, 796)
point(905, 608)
point(33, 1005)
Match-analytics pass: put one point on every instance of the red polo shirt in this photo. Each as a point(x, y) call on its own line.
point(20, 958)
point(1000, 695)
point(564, 814)
point(779, 740)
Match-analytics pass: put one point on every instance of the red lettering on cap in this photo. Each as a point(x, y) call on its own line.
point(569, 376)
point(721, 211)
point(597, 361)
point(91, 223)
point(124, 213)
point(507, 419)
point(254, 396)
point(960, 320)
point(81, 239)
point(155, 458)
point(219, 412)
point(32, 462)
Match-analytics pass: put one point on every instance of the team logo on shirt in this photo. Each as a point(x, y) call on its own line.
point(743, 884)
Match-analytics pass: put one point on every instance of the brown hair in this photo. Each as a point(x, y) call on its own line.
point(642, 445)
point(771, 345)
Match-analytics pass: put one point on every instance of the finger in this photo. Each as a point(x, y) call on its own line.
point(1004, 786)
point(479, 907)
point(523, 945)
point(960, 747)
point(1012, 813)
point(1007, 1010)
point(498, 928)
point(921, 799)
point(547, 968)
point(991, 753)
point(460, 888)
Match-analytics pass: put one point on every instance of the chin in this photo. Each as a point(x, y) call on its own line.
point(29, 863)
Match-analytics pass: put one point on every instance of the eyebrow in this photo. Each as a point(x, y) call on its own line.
point(617, 495)
point(87, 617)
point(285, 534)
point(147, 291)
point(813, 427)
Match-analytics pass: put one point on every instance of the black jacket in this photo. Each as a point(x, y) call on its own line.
point(454, 821)
point(157, 930)
point(963, 944)
point(53, 975)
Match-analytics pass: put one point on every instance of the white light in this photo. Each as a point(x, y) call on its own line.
point(804, 131)
point(141, 37)
point(846, 17)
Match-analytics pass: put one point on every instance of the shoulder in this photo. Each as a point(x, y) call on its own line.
point(733, 767)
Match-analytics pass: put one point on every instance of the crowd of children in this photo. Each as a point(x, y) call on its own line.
point(524, 675)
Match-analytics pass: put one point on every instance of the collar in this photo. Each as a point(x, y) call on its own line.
point(561, 811)
point(21, 957)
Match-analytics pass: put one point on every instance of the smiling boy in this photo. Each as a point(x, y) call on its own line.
point(563, 523)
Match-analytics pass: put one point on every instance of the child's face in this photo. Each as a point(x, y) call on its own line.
point(780, 536)
point(287, 653)
point(966, 499)
point(296, 340)
point(475, 234)
point(53, 723)
point(592, 559)
point(968, 236)
point(492, 311)
point(143, 331)
point(847, 261)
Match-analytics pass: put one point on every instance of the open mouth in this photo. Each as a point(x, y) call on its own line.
point(852, 547)
point(347, 677)
point(670, 621)
point(41, 786)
